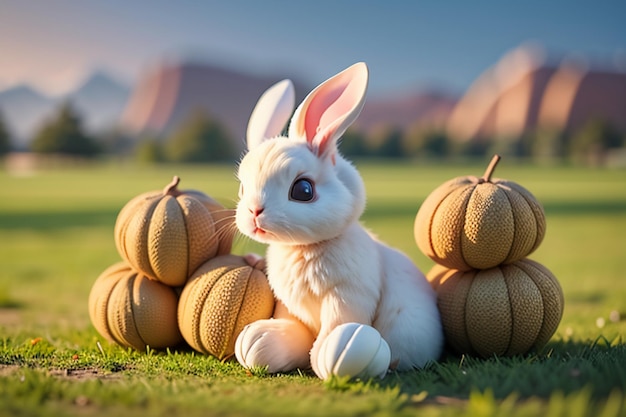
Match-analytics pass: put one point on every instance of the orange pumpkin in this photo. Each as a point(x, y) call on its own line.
point(128, 308)
point(168, 234)
point(505, 310)
point(470, 222)
point(219, 300)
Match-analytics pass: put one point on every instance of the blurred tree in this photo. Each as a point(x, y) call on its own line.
point(149, 151)
point(436, 143)
point(474, 148)
point(512, 146)
point(5, 139)
point(200, 139)
point(591, 144)
point(354, 144)
point(391, 145)
point(426, 141)
point(117, 142)
point(548, 144)
point(413, 140)
point(63, 134)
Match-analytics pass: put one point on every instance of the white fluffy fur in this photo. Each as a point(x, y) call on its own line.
point(323, 266)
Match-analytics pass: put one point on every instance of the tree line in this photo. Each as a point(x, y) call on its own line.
point(202, 138)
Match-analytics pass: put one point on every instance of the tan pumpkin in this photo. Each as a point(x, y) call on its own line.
point(168, 234)
point(506, 310)
point(470, 222)
point(219, 300)
point(128, 308)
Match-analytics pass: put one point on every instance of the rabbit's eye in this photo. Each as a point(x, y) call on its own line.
point(302, 190)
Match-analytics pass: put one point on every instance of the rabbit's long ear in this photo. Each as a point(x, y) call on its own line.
point(330, 109)
point(271, 113)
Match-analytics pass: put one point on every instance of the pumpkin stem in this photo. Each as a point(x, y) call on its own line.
point(170, 189)
point(492, 167)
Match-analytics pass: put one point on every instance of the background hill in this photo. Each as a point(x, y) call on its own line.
point(99, 99)
point(523, 95)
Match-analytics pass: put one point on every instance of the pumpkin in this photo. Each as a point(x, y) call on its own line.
point(223, 296)
point(128, 308)
point(506, 310)
point(168, 234)
point(470, 222)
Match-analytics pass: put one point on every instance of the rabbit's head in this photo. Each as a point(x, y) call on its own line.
point(298, 189)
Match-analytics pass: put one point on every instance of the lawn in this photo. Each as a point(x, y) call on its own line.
point(56, 236)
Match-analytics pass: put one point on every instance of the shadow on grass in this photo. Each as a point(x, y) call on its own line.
point(585, 207)
point(380, 209)
point(57, 220)
point(7, 302)
point(561, 366)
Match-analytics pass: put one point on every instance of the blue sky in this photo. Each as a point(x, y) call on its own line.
point(53, 44)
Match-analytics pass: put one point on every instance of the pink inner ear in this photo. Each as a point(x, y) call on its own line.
point(329, 108)
point(322, 111)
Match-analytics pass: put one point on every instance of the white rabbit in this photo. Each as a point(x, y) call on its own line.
point(302, 198)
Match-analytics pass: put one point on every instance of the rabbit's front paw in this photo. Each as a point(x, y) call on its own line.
point(278, 344)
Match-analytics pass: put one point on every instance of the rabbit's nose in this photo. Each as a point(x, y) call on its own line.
point(256, 211)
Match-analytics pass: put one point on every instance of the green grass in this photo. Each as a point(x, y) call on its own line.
point(56, 236)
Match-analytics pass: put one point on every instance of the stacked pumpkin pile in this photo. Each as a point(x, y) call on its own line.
point(492, 299)
point(177, 279)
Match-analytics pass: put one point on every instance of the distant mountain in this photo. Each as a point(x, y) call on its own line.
point(23, 108)
point(99, 99)
point(427, 108)
point(519, 93)
point(525, 90)
point(166, 96)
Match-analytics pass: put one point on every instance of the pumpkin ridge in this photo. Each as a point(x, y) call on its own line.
point(536, 208)
point(431, 219)
point(203, 341)
point(527, 219)
point(464, 211)
point(240, 303)
point(463, 194)
point(106, 306)
point(123, 220)
point(140, 259)
point(200, 226)
point(515, 234)
point(155, 325)
point(490, 316)
point(508, 296)
point(127, 341)
point(488, 235)
point(196, 328)
point(163, 235)
point(467, 332)
point(136, 283)
point(186, 227)
point(517, 266)
point(543, 301)
point(540, 270)
point(110, 328)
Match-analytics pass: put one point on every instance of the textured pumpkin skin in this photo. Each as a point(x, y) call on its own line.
point(223, 296)
point(470, 222)
point(132, 310)
point(507, 310)
point(168, 234)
